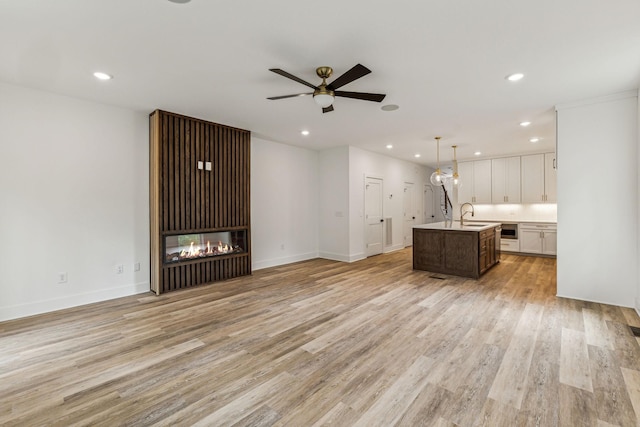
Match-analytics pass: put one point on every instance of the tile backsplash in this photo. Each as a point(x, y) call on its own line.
point(517, 212)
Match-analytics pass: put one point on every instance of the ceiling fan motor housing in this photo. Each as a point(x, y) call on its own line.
point(324, 72)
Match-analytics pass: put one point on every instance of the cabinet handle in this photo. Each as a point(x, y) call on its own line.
point(554, 163)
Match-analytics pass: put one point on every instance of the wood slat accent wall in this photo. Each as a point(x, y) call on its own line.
point(187, 200)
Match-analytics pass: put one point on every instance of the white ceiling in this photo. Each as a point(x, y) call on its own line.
point(443, 62)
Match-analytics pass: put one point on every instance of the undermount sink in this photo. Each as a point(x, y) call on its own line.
point(474, 225)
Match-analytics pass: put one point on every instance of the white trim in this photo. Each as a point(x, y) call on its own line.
point(594, 300)
point(274, 262)
point(342, 258)
point(394, 248)
point(637, 307)
point(607, 98)
point(55, 304)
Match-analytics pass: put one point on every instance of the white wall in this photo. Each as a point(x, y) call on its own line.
point(284, 203)
point(598, 200)
point(394, 173)
point(334, 204)
point(74, 198)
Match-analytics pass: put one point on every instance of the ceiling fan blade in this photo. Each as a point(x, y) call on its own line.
point(327, 109)
point(375, 97)
point(290, 96)
point(355, 73)
point(292, 77)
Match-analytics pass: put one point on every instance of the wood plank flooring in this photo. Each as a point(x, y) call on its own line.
point(318, 343)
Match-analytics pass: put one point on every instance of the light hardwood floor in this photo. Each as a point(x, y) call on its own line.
point(372, 343)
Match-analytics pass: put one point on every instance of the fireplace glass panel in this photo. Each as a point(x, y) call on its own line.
point(183, 247)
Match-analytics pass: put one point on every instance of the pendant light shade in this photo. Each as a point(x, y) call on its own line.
point(436, 177)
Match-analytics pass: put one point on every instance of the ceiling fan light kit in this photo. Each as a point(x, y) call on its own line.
point(325, 94)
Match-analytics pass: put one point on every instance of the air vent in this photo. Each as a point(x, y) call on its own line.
point(388, 231)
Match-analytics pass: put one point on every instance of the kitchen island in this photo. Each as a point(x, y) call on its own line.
point(449, 247)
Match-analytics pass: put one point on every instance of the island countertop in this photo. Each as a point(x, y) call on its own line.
point(455, 226)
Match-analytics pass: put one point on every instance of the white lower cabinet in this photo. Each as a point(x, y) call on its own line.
point(509, 245)
point(538, 238)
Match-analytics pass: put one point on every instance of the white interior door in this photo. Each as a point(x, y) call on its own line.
point(374, 221)
point(428, 205)
point(409, 214)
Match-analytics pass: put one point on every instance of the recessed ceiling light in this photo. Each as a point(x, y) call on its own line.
point(389, 146)
point(180, 1)
point(102, 76)
point(515, 77)
point(305, 132)
point(477, 153)
point(416, 155)
point(534, 139)
point(525, 124)
point(389, 107)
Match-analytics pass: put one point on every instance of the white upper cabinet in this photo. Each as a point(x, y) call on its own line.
point(539, 178)
point(550, 177)
point(476, 182)
point(505, 180)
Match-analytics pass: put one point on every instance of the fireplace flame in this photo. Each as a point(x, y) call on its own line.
point(195, 251)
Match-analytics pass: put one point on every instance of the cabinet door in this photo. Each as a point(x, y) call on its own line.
point(465, 190)
point(505, 180)
point(512, 180)
point(550, 177)
point(530, 241)
point(549, 242)
point(498, 180)
point(482, 181)
point(532, 178)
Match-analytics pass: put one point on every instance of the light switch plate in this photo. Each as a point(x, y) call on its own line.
point(208, 166)
point(200, 165)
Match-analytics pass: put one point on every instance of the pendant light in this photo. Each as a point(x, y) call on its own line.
point(456, 177)
point(436, 177)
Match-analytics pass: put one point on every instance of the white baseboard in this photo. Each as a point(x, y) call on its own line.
point(637, 307)
point(68, 301)
point(342, 257)
point(274, 262)
point(393, 248)
point(596, 301)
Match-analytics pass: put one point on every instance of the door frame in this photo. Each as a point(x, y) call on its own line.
point(364, 222)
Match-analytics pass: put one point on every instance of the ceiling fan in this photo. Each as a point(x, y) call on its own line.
point(324, 94)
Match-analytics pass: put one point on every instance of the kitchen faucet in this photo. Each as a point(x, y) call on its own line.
point(466, 212)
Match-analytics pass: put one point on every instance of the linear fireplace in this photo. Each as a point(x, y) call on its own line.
point(199, 202)
point(184, 247)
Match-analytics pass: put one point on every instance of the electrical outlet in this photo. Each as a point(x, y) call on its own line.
point(282, 246)
point(136, 266)
point(62, 277)
point(119, 269)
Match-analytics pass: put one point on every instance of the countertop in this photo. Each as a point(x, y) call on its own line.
point(455, 225)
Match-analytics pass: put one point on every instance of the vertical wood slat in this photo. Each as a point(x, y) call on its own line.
point(188, 170)
point(192, 200)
